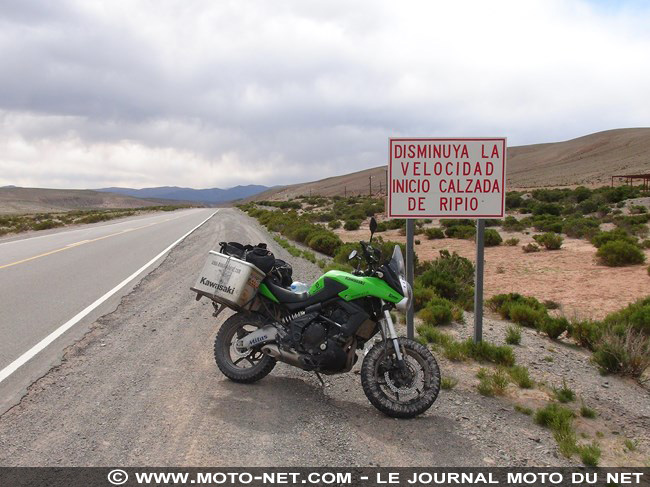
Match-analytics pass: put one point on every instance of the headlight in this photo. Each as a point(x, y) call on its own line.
point(407, 292)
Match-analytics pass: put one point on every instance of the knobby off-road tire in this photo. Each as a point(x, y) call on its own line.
point(378, 385)
point(258, 364)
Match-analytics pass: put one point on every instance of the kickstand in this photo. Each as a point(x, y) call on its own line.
point(322, 382)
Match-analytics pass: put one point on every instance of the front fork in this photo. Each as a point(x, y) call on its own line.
point(391, 334)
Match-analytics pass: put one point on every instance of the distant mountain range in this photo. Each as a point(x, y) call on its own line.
point(211, 195)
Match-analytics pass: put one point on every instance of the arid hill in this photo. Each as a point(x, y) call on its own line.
point(588, 160)
point(33, 200)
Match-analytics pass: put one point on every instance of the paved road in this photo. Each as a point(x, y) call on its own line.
point(141, 388)
point(45, 280)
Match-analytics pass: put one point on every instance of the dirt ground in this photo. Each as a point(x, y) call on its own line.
point(570, 276)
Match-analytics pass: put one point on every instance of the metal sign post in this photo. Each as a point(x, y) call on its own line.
point(478, 281)
point(410, 271)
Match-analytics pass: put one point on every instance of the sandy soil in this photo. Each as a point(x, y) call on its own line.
point(570, 276)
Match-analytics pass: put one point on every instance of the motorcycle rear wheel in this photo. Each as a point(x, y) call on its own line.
point(393, 393)
point(240, 367)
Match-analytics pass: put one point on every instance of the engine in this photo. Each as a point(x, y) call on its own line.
point(325, 339)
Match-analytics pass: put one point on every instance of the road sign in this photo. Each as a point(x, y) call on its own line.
point(446, 178)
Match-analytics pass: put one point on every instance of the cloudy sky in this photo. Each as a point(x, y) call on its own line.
point(219, 93)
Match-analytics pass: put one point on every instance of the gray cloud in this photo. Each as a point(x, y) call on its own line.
point(219, 93)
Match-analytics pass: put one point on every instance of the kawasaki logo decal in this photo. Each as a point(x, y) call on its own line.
point(218, 287)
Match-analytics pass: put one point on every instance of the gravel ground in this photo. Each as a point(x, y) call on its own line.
point(142, 389)
point(623, 405)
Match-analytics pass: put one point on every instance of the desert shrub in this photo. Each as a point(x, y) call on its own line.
point(636, 315)
point(554, 327)
point(512, 242)
point(352, 225)
point(620, 253)
point(587, 412)
point(513, 335)
point(638, 209)
point(550, 304)
point(492, 222)
point(325, 243)
point(581, 194)
point(547, 223)
point(492, 383)
point(334, 224)
point(438, 311)
point(421, 296)
point(626, 354)
point(547, 209)
point(601, 238)
point(525, 315)
point(564, 394)
point(524, 410)
point(395, 223)
point(520, 376)
point(455, 222)
point(433, 335)
point(531, 247)
point(434, 233)
point(455, 351)
point(513, 200)
point(550, 240)
point(450, 276)
point(46, 224)
point(448, 382)
point(553, 416)
point(461, 231)
point(631, 445)
point(645, 244)
point(587, 333)
point(587, 206)
point(580, 227)
point(492, 238)
point(484, 351)
point(590, 454)
point(501, 303)
point(511, 224)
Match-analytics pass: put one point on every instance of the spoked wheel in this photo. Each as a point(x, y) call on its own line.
point(400, 393)
point(236, 364)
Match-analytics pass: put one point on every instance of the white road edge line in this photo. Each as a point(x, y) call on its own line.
point(32, 352)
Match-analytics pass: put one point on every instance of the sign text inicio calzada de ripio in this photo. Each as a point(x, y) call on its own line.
point(437, 177)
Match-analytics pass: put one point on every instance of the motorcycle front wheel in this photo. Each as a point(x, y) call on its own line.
point(394, 391)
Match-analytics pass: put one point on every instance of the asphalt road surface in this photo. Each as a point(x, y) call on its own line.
point(46, 280)
point(141, 388)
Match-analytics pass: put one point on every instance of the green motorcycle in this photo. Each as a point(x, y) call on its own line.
point(324, 329)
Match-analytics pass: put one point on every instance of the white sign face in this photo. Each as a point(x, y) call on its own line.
point(447, 178)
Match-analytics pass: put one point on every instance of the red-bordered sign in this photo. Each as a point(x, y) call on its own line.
point(447, 177)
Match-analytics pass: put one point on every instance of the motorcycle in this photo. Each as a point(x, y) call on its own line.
point(324, 330)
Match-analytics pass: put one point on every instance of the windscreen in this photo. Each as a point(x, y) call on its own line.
point(397, 262)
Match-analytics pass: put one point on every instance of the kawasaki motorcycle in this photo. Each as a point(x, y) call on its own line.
point(325, 329)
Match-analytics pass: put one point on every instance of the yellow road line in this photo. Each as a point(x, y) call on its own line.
point(83, 242)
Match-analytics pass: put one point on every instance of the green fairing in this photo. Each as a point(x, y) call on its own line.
point(358, 287)
point(265, 291)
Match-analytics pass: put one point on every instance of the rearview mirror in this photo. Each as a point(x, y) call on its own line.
point(373, 227)
point(352, 255)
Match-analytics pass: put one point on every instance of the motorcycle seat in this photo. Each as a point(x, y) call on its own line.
point(297, 301)
point(285, 295)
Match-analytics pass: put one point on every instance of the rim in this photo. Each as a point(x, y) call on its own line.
point(238, 358)
point(397, 390)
